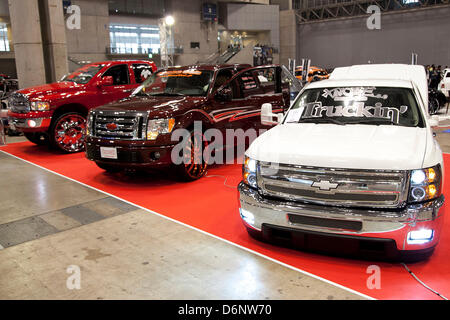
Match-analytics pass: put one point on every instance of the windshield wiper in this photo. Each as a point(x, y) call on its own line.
point(322, 120)
point(166, 94)
point(140, 94)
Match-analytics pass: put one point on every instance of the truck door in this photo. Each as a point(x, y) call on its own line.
point(122, 86)
point(249, 91)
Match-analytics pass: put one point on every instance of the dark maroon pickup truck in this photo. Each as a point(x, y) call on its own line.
point(137, 132)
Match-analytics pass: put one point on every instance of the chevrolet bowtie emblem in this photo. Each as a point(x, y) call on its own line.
point(324, 185)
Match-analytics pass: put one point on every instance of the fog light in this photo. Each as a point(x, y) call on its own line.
point(31, 123)
point(247, 216)
point(420, 236)
point(155, 155)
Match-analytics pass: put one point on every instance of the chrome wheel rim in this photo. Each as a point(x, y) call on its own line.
point(195, 165)
point(69, 134)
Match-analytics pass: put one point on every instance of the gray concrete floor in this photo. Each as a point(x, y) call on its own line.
point(49, 223)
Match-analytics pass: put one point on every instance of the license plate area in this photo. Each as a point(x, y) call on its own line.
point(108, 152)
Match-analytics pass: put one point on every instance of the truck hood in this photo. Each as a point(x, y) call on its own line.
point(43, 92)
point(160, 106)
point(383, 147)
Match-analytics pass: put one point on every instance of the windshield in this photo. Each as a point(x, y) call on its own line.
point(84, 74)
point(357, 105)
point(189, 82)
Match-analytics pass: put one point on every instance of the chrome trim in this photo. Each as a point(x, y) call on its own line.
point(131, 125)
point(334, 186)
point(23, 123)
point(387, 224)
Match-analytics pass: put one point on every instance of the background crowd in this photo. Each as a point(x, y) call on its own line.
point(434, 75)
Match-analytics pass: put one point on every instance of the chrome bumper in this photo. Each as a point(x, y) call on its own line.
point(28, 123)
point(395, 225)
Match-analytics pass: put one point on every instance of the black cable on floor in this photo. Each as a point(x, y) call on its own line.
point(423, 284)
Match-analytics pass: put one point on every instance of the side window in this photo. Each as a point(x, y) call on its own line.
point(248, 84)
point(447, 75)
point(222, 77)
point(119, 73)
point(142, 72)
point(266, 76)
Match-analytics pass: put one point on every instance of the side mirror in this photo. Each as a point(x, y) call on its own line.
point(224, 94)
point(106, 81)
point(267, 115)
point(433, 121)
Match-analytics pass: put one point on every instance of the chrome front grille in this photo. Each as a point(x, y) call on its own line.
point(19, 103)
point(338, 187)
point(121, 125)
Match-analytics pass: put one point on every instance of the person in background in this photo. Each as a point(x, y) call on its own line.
point(434, 78)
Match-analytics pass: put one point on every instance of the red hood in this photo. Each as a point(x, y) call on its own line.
point(44, 92)
point(160, 106)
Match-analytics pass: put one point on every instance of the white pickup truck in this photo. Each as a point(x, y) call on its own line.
point(444, 85)
point(352, 167)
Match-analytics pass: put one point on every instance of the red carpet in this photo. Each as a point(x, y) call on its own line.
point(210, 205)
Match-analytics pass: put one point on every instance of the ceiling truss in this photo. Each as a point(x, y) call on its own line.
point(308, 11)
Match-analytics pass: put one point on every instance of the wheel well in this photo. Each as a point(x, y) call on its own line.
point(69, 108)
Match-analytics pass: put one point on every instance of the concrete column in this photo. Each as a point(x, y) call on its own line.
point(53, 29)
point(27, 40)
point(288, 36)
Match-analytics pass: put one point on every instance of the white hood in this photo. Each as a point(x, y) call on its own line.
point(351, 146)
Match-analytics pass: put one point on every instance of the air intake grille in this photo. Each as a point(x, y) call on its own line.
point(329, 186)
point(19, 103)
point(121, 125)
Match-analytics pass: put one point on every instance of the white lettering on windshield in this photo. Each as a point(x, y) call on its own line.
point(357, 109)
point(352, 93)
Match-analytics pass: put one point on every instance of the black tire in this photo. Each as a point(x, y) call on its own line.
point(67, 132)
point(108, 167)
point(37, 138)
point(433, 105)
point(195, 169)
point(441, 98)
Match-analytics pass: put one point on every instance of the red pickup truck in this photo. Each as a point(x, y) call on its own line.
point(55, 113)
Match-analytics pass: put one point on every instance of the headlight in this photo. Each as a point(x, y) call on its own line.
point(249, 172)
point(89, 122)
point(425, 184)
point(40, 105)
point(156, 127)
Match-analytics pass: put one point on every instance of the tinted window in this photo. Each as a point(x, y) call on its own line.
point(266, 76)
point(119, 73)
point(357, 105)
point(84, 74)
point(142, 72)
point(190, 82)
point(222, 77)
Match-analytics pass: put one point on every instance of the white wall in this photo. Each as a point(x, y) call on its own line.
point(189, 28)
point(253, 17)
point(345, 42)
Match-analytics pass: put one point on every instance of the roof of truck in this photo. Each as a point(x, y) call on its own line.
point(380, 71)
